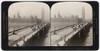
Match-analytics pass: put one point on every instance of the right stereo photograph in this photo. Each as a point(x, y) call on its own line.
point(71, 24)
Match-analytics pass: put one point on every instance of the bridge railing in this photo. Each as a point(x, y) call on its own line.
point(62, 28)
point(34, 27)
point(13, 32)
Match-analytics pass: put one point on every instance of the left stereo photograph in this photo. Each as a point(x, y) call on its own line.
point(27, 23)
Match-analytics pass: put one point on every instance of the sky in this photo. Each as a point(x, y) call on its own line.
point(26, 9)
point(67, 9)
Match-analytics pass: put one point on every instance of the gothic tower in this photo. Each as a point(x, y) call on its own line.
point(42, 15)
point(83, 14)
point(59, 15)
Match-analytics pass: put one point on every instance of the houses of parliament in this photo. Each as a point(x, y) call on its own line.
point(71, 18)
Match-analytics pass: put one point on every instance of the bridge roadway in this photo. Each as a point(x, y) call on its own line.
point(20, 37)
point(61, 36)
point(58, 37)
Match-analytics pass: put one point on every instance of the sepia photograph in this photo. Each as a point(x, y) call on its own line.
point(29, 24)
point(71, 24)
point(38, 24)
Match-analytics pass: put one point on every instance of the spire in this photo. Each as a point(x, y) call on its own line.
point(83, 13)
point(59, 16)
point(18, 15)
point(42, 14)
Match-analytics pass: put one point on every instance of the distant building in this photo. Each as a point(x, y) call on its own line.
point(42, 15)
point(18, 16)
point(59, 15)
point(55, 16)
point(83, 14)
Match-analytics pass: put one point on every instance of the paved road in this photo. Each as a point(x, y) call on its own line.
point(13, 38)
point(59, 35)
point(21, 36)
